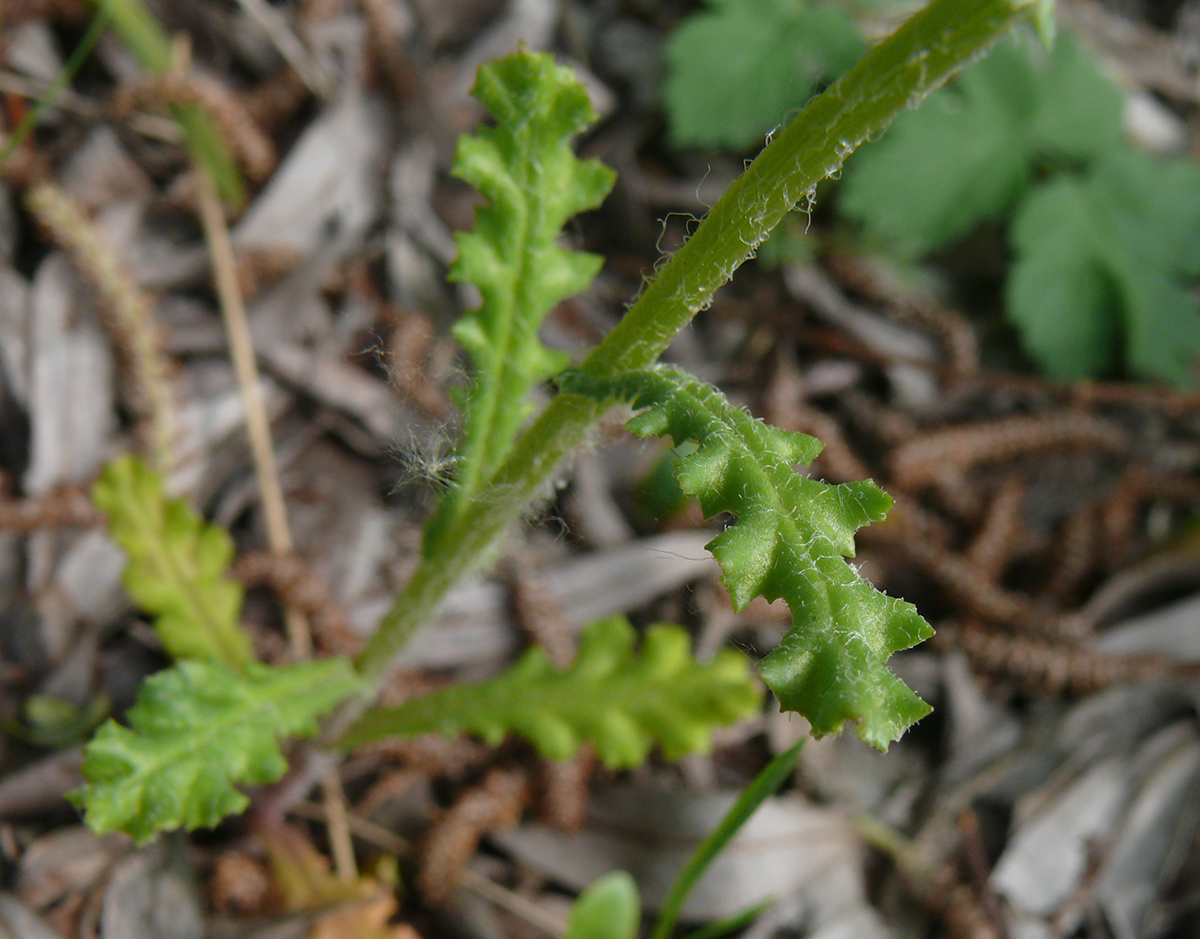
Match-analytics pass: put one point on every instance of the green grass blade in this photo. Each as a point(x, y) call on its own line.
point(762, 788)
point(151, 46)
point(64, 78)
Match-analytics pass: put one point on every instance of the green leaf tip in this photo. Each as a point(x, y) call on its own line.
point(197, 730)
point(790, 541)
point(610, 908)
point(1044, 22)
point(533, 183)
point(620, 700)
point(177, 565)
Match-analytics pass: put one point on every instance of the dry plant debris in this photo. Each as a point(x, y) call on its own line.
point(1047, 530)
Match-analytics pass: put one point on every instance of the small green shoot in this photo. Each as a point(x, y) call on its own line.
point(533, 182)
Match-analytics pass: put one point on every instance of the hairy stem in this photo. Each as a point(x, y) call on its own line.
point(897, 73)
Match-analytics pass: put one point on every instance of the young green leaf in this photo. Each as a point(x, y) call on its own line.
point(970, 151)
point(1103, 266)
point(736, 70)
point(177, 564)
point(790, 540)
point(619, 700)
point(609, 909)
point(533, 182)
point(196, 731)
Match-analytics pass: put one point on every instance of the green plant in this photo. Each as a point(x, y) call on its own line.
point(1104, 238)
point(735, 70)
point(791, 538)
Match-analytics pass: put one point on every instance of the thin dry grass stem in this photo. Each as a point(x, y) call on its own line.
point(923, 460)
point(289, 45)
point(992, 547)
point(338, 827)
point(241, 349)
point(299, 587)
point(254, 151)
point(1047, 669)
point(387, 840)
point(495, 804)
point(126, 312)
point(68, 507)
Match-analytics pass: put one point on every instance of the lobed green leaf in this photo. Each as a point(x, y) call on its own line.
point(619, 700)
point(790, 541)
point(197, 730)
point(177, 565)
point(1101, 278)
point(533, 183)
point(970, 152)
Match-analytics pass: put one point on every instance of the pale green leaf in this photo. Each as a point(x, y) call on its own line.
point(177, 565)
point(196, 731)
point(620, 700)
point(608, 909)
point(790, 541)
point(736, 70)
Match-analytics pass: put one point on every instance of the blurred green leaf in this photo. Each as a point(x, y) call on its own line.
point(970, 151)
point(609, 909)
point(197, 730)
point(1102, 271)
point(734, 71)
point(177, 565)
point(620, 700)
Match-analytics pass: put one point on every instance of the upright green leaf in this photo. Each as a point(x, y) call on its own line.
point(197, 730)
point(533, 182)
point(969, 153)
point(619, 700)
point(177, 565)
point(790, 540)
point(735, 70)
